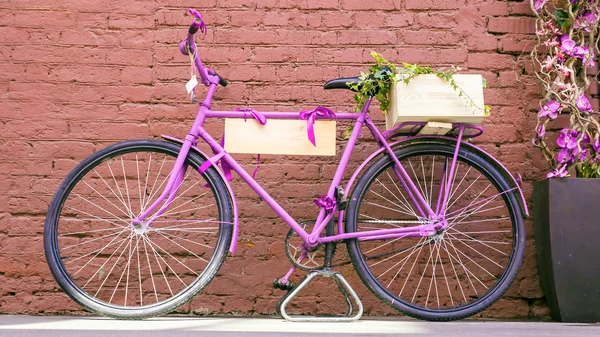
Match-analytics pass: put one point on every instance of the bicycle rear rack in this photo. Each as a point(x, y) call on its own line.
point(342, 284)
point(326, 272)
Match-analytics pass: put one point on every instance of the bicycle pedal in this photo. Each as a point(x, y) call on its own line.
point(340, 198)
point(286, 286)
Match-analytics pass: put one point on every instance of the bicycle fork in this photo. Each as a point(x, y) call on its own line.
point(176, 177)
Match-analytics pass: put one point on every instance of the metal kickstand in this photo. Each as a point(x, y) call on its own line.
point(341, 282)
point(344, 287)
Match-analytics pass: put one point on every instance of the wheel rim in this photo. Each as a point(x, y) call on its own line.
point(123, 266)
point(454, 269)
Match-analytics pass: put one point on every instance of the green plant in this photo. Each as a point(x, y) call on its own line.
point(383, 74)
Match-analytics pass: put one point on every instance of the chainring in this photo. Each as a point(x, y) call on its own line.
point(299, 256)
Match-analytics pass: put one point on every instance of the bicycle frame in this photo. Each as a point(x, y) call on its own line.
point(311, 239)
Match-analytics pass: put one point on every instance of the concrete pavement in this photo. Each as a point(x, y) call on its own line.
point(69, 326)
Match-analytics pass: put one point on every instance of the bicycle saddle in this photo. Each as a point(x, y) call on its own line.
point(342, 83)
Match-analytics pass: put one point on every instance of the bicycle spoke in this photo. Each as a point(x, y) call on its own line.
point(188, 240)
point(103, 197)
point(426, 193)
point(404, 210)
point(444, 273)
point(102, 266)
point(187, 250)
point(455, 273)
point(143, 200)
point(184, 211)
point(171, 256)
point(478, 241)
point(422, 274)
point(411, 269)
point(96, 251)
point(110, 188)
point(150, 195)
point(151, 274)
point(459, 185)
point(93, 204)
point(465, 269)
point(139, 265)
point(92, 231)
point(391, 209)
point(470, 259)
point(156, 256)
point(130, 254)
point(93, 240)
point(465, 191)
point(432, 179)
point(483, 220)
point(406, 203)
point(119, 189)
point(126, 186)
point(416, 177)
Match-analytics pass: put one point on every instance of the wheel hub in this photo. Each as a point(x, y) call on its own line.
point(140, 228)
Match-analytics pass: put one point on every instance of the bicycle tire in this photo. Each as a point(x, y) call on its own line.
point(421, 310)
point(221, 234)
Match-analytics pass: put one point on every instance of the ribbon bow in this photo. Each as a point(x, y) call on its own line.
point(311, 116)
point(326, 202)
point(198, 23)
point(260, 118)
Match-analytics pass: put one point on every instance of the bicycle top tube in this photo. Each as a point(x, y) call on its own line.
point(279, 115)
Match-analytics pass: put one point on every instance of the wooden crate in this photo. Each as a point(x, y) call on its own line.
point(279, 136)
point(428, 98)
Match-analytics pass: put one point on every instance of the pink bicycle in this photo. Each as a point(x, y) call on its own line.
point(433, 224)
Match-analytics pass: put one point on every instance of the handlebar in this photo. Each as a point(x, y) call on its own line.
point(207, 75)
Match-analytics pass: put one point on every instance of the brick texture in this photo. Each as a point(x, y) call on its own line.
point(76, 76)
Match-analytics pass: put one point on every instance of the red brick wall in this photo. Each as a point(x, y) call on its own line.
point(78, 75)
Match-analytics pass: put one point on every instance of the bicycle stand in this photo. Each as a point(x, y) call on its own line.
point(342, 284)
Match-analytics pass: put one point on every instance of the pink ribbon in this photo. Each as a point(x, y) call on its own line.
point(198, 23)
point(310, 118)
point(216, 160)
point(260, 118)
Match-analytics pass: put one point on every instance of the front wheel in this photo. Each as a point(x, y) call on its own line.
point(111, 267)
point(457, 272)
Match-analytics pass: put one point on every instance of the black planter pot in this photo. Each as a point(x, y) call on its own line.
point(567, 239)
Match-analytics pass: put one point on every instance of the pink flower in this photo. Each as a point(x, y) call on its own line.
point(541, 131)
point(583, 103)
point(559, 172)
point(551, 109)
point(547, 65)
point(552, 43)
point(564, 70)
point(571, 48)
point(589, 19)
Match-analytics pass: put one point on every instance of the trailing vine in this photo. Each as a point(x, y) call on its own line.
point(383, 75)
point(567, 43)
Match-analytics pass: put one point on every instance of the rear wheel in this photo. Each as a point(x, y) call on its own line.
point(455, 273)
point(111, 267)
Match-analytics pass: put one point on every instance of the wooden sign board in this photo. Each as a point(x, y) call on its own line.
point(428, 98)
point(279, 136)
